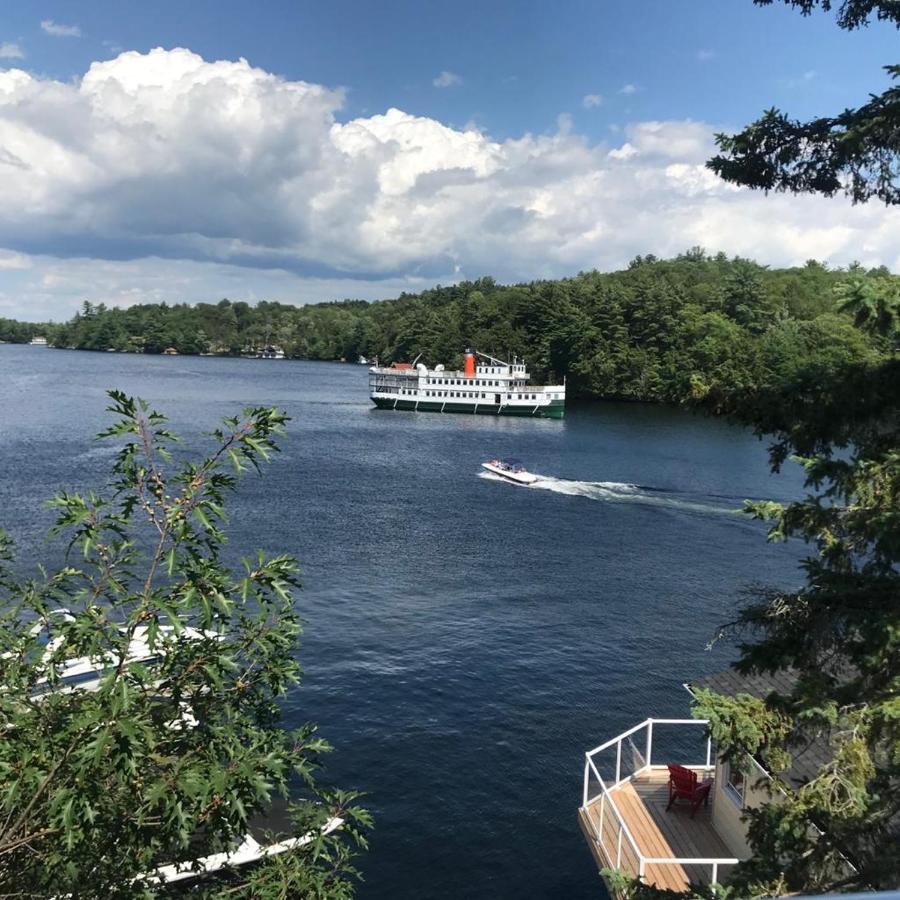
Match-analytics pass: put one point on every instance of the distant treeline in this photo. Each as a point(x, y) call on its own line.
point(663, 330)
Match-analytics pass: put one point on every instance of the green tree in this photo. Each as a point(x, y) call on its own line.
point(856, 152)
point(837, 638)
point(874, 303)
point(168, 758)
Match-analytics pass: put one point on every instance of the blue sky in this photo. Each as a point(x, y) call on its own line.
point(521, 63)
point(581, 118)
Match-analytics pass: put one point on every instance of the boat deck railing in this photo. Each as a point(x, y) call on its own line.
point(469, 385)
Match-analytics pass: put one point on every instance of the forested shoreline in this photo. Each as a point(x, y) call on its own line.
point(659, 330)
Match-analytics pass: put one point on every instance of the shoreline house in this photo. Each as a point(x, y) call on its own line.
point(645, 818)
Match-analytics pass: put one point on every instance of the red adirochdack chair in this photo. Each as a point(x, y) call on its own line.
point(683, 786)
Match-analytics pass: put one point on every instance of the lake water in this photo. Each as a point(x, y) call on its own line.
point(466, 640)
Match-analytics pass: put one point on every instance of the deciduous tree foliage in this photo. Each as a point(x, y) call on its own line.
point(856, 151)
point(167, 759)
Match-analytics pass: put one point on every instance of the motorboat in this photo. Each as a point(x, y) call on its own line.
point(511, 470)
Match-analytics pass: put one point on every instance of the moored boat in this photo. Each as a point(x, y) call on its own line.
point(492, 386)
point(511, 470)
point(269, 351)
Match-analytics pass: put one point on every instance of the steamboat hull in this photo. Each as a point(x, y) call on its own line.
point(555, 409)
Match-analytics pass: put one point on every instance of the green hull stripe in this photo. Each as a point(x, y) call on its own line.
point(555, 410)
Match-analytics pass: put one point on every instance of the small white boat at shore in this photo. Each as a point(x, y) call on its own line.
point(511, 470)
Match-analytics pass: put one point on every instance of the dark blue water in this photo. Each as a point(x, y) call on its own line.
point(466, 640)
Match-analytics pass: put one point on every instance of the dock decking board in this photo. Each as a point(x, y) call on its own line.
point(657, 833)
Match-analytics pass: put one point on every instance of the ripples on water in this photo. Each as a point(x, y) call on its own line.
point(465, 641)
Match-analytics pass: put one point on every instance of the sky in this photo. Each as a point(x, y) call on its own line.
point(304, 151)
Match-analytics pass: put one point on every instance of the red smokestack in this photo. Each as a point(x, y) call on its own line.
point(470, 364)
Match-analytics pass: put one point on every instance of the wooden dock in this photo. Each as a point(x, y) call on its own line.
point(657, 833)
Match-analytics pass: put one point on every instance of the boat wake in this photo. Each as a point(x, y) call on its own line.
point(620, 492)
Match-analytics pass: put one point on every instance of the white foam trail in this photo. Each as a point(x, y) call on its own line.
point(615, 492)
point(101, 452)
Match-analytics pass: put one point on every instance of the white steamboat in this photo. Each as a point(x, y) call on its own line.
point(491, 387)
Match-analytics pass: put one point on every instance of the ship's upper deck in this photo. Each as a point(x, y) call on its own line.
point(514, 371)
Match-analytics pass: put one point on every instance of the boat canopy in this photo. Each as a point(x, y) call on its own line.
point(514, 465)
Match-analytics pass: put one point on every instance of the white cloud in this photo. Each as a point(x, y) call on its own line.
point(626, 151)
point(163, 176)
point(11, 50)
point(447, 79)
point(590, 101)
point(629, 89)
point(705, 55)
point(11, 260)
point(58, 30)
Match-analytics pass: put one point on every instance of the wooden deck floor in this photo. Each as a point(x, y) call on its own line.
point(657, 833)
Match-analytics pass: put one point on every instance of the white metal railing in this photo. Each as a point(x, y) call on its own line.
point(610, 827)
